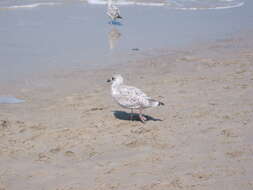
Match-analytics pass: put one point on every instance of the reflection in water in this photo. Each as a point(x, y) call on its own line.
point(113, 37)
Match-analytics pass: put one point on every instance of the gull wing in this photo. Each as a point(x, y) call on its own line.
point(131, 97)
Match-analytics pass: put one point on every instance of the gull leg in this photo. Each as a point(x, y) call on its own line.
point(142, 118)
point(131, 115)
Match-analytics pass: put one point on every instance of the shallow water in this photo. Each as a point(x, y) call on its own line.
point(37, 36)
point(10, 100)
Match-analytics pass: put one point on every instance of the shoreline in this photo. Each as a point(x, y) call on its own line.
point(81, 37)
point(241, 41)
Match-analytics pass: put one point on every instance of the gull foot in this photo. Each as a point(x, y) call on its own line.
point(143, 119)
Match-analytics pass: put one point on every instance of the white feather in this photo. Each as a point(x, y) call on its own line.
point(129, 96)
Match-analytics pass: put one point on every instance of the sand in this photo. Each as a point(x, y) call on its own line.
point(70, 135)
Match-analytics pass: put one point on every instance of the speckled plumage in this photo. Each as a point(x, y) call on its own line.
point(131, 97)
point(113, 12)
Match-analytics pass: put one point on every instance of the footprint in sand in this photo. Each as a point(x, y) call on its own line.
point(55, 150)
point(69, 153)
point(4, 124)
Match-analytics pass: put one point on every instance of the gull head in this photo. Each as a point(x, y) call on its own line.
point(116, 79)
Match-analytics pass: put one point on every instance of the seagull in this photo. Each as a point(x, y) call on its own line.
point(113, 11)
point(131, 97)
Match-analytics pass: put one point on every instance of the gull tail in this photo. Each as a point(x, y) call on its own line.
point(155, 103)
point(161, 104)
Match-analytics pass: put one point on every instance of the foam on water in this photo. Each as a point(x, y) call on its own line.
point(212, 8)
point(122, 3)
point(10, 100)
point(30, 6)
point(172, 4)
point(180, 4)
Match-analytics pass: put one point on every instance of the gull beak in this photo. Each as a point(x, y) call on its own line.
point(108, 80)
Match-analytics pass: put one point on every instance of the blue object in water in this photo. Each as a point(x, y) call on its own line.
point(10, 100)
point(113, 22)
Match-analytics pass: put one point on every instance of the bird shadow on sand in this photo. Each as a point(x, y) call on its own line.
point(122, 115)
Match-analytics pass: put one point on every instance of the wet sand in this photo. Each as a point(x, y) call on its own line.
point(69, 134)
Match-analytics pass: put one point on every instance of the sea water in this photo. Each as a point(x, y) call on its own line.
point(41, 35)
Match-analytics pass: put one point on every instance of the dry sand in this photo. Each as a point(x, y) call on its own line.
point(70, 135)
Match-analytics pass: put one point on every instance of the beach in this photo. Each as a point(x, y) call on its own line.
point(69, 134)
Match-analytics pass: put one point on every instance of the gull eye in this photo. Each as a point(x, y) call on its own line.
point(113, 78)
